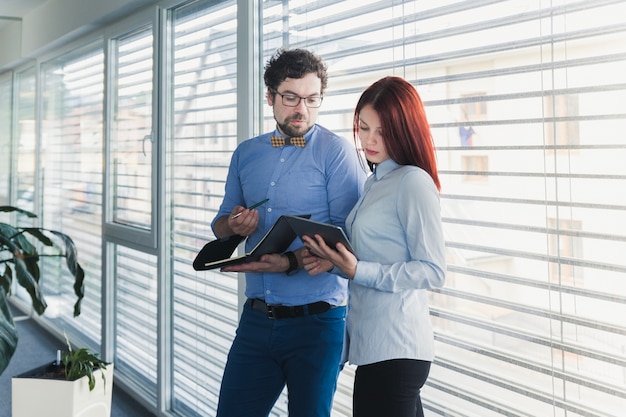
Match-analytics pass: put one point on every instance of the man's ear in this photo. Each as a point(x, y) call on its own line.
point(270, 97)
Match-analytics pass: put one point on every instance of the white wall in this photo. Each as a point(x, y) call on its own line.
point(10, 41)
point(56, 22)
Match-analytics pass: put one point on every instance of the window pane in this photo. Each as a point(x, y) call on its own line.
point(71, 157)
point(24, 182)
point(524, 104)
point(6, 104)
point(136, 355)
point(201, 139)
point(131, 131)
point(524, 100)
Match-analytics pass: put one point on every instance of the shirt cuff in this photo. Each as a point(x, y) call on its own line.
point(366, 273)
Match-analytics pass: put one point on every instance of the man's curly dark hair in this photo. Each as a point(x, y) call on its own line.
point(294, 63)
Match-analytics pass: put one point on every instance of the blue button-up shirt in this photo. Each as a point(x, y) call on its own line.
point(395, 230)
point(323, 179)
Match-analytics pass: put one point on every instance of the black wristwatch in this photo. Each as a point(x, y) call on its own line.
point(293, 262)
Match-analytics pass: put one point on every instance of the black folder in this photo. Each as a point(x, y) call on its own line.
point(218, 253)
point(330, 233)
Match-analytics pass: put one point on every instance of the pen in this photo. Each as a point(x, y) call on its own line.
point(255, 205)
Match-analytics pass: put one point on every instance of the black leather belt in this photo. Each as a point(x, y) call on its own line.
point(285, 312)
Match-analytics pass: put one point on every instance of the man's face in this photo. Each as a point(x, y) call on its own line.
point(296, 121)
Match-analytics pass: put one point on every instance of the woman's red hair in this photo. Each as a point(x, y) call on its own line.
point(405, 128)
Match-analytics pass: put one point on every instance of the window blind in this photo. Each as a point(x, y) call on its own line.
point(200, 140)
point(136, 352)
point(72, 92)
point(6, 104)
point(523, 100)
point(25, 139)
point(133, 264)
point(131, 129)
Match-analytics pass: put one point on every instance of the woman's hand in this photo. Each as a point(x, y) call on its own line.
point(314, 264)
point(341, 257)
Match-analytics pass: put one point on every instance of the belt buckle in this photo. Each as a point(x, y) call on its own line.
point(270, 312)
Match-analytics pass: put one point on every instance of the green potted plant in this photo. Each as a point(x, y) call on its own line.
point(65, 387)
point(19, 259)
point(81, 363)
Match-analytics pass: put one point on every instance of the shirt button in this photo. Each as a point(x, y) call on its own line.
point(272, 183)
point(269, 210)
point(268, 292)
point(282, 159)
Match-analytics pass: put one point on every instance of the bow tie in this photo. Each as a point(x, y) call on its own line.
point(295, 141)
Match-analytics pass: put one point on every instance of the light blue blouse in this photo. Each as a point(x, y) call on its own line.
point(395, 229)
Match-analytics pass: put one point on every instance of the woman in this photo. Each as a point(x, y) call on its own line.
point(395, 231)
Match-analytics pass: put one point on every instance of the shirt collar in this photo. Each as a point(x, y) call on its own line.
point(384, 168)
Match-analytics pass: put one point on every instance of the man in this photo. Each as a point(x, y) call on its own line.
point(292, 326)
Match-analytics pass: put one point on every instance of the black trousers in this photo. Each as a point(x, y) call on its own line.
point(390, 388)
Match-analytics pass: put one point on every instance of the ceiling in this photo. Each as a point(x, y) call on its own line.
point(12, 10)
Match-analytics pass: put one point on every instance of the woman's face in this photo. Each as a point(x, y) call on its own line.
point(370, 134)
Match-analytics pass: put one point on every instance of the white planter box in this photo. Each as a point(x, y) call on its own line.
point(59, 398)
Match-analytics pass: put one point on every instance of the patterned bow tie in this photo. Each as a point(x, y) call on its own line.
point(298, 141)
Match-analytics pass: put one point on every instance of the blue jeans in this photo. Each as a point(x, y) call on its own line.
point(302, 352)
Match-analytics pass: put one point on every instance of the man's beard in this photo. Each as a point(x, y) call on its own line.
point(290, 131)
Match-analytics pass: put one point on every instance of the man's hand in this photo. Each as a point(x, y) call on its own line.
point(314, 264)
point(267, 263)
point(243, 225)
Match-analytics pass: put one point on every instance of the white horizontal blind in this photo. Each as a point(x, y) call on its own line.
point(24, 166)
point(131, 177)
point(72, 91)
point(6, 103)
point(200, 141)
point(136, 356)
point(22, 151)
point(131, 129)
point(524, 99)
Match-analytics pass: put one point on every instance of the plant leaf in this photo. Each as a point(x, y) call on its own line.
point(7, 231)
point(6, 279)
point(80, 363)
point(31, 285)
point(20, 240)
point(26, 268)
point(8, 333)
point(40, 235)
point(71, 258)
point(13, 240)
point(17, 248)
point(8, 209)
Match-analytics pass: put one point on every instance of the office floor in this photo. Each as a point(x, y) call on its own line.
point(35, 346)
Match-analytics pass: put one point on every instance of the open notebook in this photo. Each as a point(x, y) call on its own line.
point(218, 253)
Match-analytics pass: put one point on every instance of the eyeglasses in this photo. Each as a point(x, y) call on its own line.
point(292, 100)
